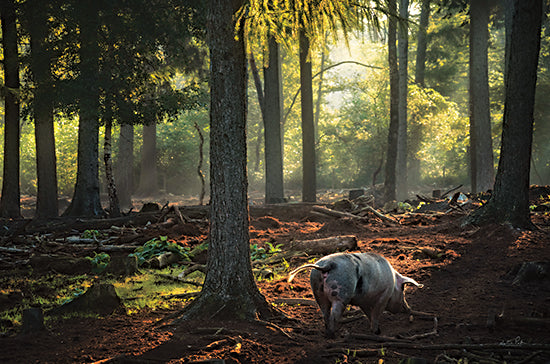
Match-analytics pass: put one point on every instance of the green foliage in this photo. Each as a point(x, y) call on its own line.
point(99, 262)
point(151, 290)
point(46, 291)
point(258, 253)
point(91, 234)
point(158, 246)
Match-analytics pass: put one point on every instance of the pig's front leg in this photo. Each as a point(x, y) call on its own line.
point(375, 313)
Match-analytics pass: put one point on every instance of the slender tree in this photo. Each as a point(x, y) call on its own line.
point(309, 179)
point(229, 289)
point(509, 202)
point(402, 152)
point(390, 177)
point(481, 145)
point(416, 130)
point(422, 43)
point(124, 166)
point(274, 185)
point(10, 200)
point(114, 205)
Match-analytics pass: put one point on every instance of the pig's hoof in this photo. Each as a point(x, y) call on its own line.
point(377, 331)
point(330, 334)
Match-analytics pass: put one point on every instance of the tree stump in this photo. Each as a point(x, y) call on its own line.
point(33, 321)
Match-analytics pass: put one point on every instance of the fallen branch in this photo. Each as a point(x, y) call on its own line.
point(381, 215)
point(184, 296)
point(178, 279)
point(426, 334)
point(354, 352)
point(451, 190)
point(383, 339)
point(13, 250)
point(182, 219)
point(295, 301)
point(489, 346)
point(335, 213)
point(266, 323)
point(278, 258)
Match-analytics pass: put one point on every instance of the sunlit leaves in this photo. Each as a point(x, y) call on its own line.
point(284, 19)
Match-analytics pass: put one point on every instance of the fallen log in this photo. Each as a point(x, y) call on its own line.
point(325, 245)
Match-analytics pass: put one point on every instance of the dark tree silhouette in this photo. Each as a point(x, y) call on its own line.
point(37, 12)
point(9, 202)
point(509, 202)
point(309, 177)
point(85, 201)
point(390, 177)
point(274, 187)
point(229, 289)
point(481, 146)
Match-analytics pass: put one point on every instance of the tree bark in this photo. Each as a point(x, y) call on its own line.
point(200, 163)
point(229, 290)
point(422, 43)
point(114, 206)
point(402, 152)
point(125, 165)
point(86, 201)
point(481, 145)
point(309, 179)
point(509, 202)
point(274, 185)
point(390, 178)
point(148, 179)
point(11, 194)
point(46, 199)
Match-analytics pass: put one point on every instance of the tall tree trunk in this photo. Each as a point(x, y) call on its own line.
point(309, 179)
point(403, 45)
point(46, 200)
point(422, 43)
point(86, 201)
point(11, 194)
point(274, 186)
point(481, 145)
point(260, 93)
point(125, 165)
point(148, 177)
point(390, 178)
point(416, 131)
point(199, 165)
point(229, 290)
point(317, 114)
point(510, 199)
point(114, 206)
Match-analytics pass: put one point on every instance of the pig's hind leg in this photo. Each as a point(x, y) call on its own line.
point(335, 318)
point(317, 285)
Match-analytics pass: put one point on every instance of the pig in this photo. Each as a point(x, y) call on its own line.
point(366, 280)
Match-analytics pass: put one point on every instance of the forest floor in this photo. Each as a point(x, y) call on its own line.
point(468, 275)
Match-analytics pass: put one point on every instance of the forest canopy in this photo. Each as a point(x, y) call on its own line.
point(154, 66)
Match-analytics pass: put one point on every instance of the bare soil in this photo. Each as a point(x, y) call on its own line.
point(467, 274)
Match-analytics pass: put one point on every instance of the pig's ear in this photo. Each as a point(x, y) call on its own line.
point(401, 281)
